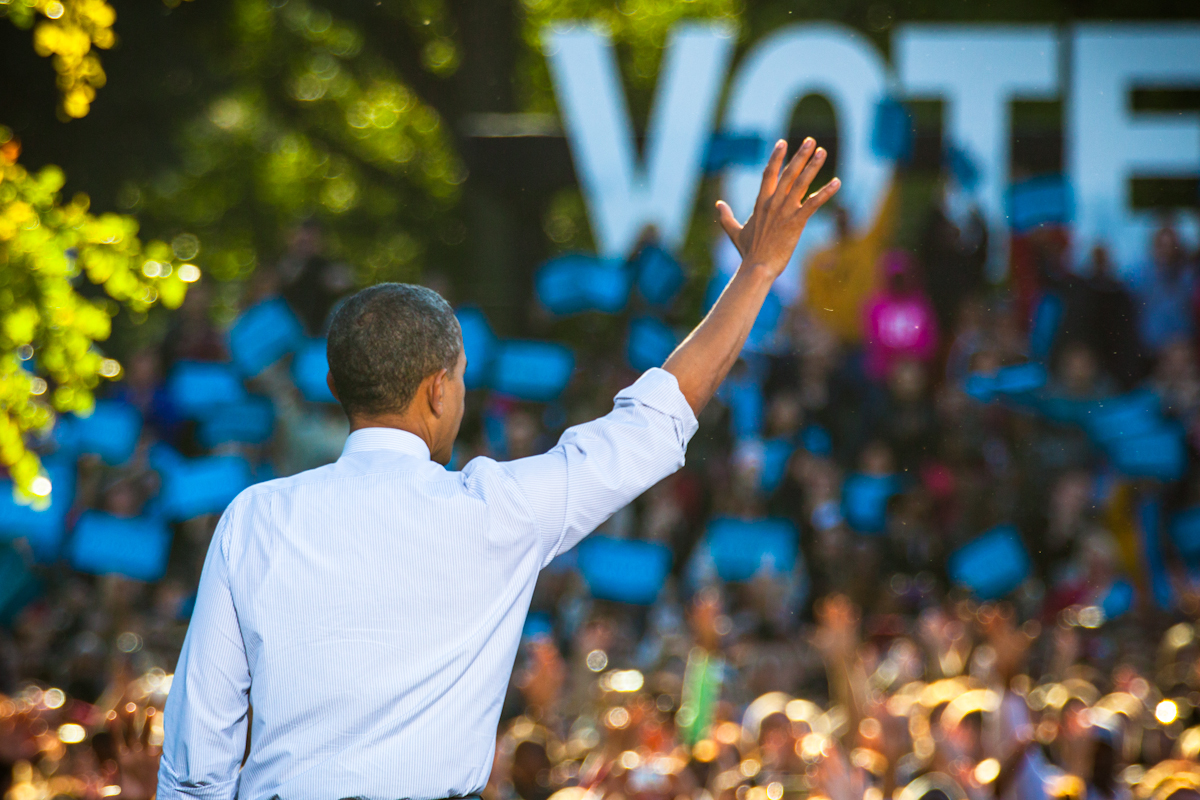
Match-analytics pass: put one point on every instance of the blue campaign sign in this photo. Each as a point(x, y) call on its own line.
point(1134, 414)
point(816, 440)
point(992, 565)
point(18, 585)
point(727, 149)
point(623, 570)
point(197, 388)
point(479, 343)
point(776, 453)
point(741, 549)
point(263, 334)
point(42, 524)
point(962, 166)
point(1160, 453)
point(893, 134)
point(865, 499)
point(573, 283)
point(1042, 332)
point(195, 486)
point(137, 547)
point(744, 397)
point(251, 421)
point(1117, 600)
point(1019, 379)
point(1185, 532)
point(659, 275)
point(111, 431)
point(1044, 200)
point(532, 370)
point(309, 368)
point(1009, 382)
point(650, 342)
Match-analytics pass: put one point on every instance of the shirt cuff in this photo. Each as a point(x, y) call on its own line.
point(659, 390)
point(169, 787)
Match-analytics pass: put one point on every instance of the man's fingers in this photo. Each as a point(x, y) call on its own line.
point(729, 222)
point(799, 160)
point(770, 178)
point(805, 178)
point(820, 198)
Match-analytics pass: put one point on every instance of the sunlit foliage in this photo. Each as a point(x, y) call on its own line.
point(66, 31)
point(311, 126)
point(48, 329)
point(639, 28)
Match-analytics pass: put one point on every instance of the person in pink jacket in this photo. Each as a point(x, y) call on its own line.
point(900, 321)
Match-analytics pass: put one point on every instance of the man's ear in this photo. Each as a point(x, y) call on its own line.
point(437, 392)
point(332, 388)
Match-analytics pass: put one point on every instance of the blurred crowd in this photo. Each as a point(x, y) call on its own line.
point(862, 668)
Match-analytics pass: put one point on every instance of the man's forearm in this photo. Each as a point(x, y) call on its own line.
point(701, 363)
point(766, 243)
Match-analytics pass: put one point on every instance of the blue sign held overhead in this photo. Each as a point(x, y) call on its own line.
point(650, 343)
point(1185, 532)
point(1009, 382)
point(776, 453)
point(1044, 329)
point(574, 283)
point(1135, 414)
point(992, 565)
point(41, 524)
point(1117, 600)
point(309, 368)
point(729, 149)
point(195, 486)
point(963, 167)
point(263, 334)
point(198, 388)
point(1158, 454)
point(479, 344)
point(741, 549)
point(103, 544)
point(111, 431)
point(251, 421)
point(1044, 200)
point(622, 570)
point(536, 371)
point(659, 275)
point(865, 499)
point(893, 134)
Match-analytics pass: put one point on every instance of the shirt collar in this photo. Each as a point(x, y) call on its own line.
point(392, 439)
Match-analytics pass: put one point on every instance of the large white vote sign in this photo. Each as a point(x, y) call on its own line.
point(977, 71)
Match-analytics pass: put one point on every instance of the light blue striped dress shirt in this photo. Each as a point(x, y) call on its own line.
point(370, 610)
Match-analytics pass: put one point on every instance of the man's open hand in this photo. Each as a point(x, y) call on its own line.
point(781, 210)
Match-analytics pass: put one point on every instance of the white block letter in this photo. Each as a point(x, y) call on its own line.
point(622, 198)
point(978, 71)
point(843, 66)
point(1108, 144)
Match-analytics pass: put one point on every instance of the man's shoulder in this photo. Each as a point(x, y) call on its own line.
point(265, 489)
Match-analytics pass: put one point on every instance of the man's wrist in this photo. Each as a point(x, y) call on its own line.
point(758, 271)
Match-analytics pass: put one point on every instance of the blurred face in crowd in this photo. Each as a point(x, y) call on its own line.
point(1167, 251)
point(1078, 370)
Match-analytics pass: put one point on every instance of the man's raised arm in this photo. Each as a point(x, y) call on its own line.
point(602, 465)
point(766, 243)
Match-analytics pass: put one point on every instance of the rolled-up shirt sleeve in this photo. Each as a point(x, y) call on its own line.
point(601, 466)
point(205, 718)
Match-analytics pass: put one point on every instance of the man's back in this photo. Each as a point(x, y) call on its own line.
point(372, 608)
point(401, 564)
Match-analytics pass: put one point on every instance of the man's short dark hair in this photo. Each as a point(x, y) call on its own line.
point(384, 341)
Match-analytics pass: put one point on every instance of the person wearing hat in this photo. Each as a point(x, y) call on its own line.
point(370, 610)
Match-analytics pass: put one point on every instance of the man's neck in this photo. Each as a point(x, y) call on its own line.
point(400, 422)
